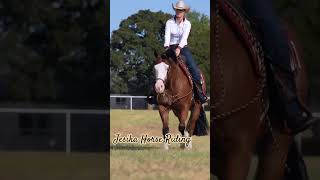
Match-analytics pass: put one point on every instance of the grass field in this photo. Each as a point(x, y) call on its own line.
point(134, 161)
point(312, 163)
point(53, 166)
point(150, 161)
point(128, 161)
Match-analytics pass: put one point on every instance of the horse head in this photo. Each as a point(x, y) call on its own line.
point(161, 68)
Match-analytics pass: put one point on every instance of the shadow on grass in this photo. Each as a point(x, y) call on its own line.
point(131, 147)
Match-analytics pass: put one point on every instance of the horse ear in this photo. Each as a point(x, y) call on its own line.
point(155, 53)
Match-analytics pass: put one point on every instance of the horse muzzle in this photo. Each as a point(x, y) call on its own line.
point(159, 86)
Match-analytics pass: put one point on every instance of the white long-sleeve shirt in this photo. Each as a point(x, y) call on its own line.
point(177, 33)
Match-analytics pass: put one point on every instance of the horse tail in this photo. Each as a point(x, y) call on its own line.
point(296, 168)
point(202, 126)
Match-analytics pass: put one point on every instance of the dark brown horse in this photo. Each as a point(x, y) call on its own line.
point(175, 92)
point(239, 108)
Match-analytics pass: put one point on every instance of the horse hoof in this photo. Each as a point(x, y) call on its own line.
point(189, 146)
point(165, 147)
point(186, 133)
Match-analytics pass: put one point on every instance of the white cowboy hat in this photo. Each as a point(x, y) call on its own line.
point(181, 5)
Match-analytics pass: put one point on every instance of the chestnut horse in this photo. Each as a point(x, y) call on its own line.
point(175, 92)
point(241, 120)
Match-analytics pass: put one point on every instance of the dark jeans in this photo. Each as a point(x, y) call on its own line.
point(276, 46)
point(192, 66)
point(274, 39)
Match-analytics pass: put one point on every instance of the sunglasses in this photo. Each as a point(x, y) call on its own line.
point(180, 10)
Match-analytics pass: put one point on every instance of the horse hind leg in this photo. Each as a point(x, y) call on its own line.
point(183, 115)
point(195, 112)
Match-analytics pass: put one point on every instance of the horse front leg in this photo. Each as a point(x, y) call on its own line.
point(235, 161)
point(272, 157)
point(232, 147)
point(192, 121)
point(164, 114)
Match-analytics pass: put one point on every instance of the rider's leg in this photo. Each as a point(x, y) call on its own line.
point(195, 72)
point(152, 98)
point(273, 37)
point(275, 44)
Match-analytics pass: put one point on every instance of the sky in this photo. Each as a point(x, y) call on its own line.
point(121, 9)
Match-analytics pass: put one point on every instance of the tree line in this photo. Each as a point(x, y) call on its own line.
point(133, 44)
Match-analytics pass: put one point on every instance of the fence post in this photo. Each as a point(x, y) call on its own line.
point(68, 132)
point(131, 103)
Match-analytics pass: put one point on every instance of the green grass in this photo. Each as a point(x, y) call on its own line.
point(133, 161)
point(128, 161)
point(53, 166)
point(313, 167)
point(150, 161)
point(312, 164)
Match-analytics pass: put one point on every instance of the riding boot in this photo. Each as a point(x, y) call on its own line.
point(152, 97)
point(298, 118)
point(199, 93)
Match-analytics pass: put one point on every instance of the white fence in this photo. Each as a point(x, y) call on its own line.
point(67, 113)
point(117, 102)
point(129, 102)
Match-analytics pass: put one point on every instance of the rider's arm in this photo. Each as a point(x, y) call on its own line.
point(185, 35)
point(167, 35)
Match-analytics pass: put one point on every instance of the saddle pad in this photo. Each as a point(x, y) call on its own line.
point(186, 71)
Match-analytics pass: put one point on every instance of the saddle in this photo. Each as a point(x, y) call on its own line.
point(183, 66)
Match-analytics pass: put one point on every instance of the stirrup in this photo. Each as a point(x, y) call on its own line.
point(151, 99)
point(200, 93)
point(310, 122)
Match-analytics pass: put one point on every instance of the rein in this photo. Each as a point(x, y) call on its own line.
point(262, 80)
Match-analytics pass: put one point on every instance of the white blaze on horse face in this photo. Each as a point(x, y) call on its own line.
point(161, 71)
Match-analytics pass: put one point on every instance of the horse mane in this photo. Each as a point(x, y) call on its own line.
point(169, 54)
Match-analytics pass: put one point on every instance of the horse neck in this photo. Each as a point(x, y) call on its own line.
point(233, 73)
point(176, 81)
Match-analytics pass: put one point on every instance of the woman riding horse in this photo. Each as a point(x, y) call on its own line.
point(277, 51)
point(176, 36)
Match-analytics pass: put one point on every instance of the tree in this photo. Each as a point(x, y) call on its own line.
point(53, 51)
point(133, 44)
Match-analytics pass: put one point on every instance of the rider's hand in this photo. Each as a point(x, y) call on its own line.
point(177, 52)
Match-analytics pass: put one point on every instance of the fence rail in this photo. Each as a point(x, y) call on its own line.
point(130, 99)
point(67, 113)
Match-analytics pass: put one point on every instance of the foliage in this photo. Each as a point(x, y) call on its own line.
point(53, 51)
